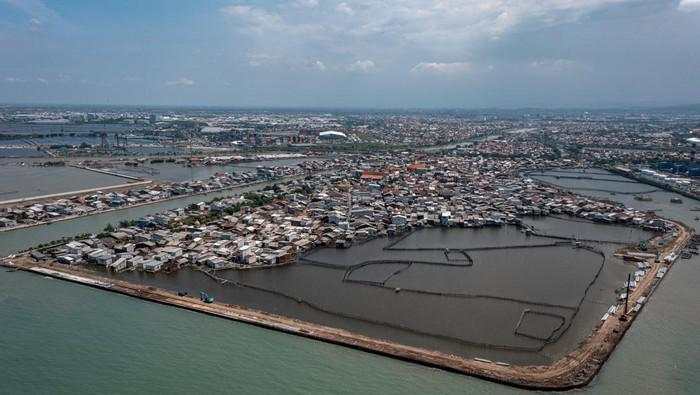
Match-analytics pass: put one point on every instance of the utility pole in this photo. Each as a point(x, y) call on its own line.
point(103, 141)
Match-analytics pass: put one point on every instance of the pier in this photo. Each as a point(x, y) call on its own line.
point(109, 173)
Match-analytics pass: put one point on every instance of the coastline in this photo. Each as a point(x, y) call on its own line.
point(574, 370)
point(664, 187)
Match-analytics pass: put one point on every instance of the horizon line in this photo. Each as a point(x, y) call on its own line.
point(356, 108)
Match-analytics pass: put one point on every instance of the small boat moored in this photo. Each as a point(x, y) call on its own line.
point(205, 297)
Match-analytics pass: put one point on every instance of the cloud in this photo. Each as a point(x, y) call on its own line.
point(39, 14)
point(255, 19)
point(13, 80)
point(558, 65)
point(554, 64)
point(689, 5)
point(261, 59)
point(237, 10)
point(306, 3)
point(344, 8)
point(441, 68)
point(317, 65)
point(445, 26)
point(35, 24)
point(35, 8)
point(180, 82)
point(361, 66)
point(62, 77)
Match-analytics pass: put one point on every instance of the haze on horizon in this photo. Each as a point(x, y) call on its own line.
point(371, 53)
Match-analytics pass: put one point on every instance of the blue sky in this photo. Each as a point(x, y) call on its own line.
point(371, 53)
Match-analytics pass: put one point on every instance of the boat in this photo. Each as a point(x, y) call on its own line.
point(643, 198)
point(676, 200)
point(643, 245)
point(205, 297)
point(660, 274)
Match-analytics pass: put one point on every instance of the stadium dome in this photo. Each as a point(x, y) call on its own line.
point(332, 135)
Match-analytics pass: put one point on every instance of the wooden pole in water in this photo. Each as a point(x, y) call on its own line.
point(627, 295)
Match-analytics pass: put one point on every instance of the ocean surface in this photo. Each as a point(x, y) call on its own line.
point(58, 337)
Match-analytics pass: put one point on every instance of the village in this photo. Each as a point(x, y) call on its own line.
point(367, 197)
point(13, 216)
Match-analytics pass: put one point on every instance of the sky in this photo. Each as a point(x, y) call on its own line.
point(362, 54)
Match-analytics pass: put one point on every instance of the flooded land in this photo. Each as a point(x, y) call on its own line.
point(177, 172)
point(27, 181)
point(495, 293)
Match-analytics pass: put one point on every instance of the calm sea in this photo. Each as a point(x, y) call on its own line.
point(58, 337)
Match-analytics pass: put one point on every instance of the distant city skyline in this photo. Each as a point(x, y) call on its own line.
point(357, 54)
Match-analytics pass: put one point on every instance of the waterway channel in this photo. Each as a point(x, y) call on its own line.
point(20, 239)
